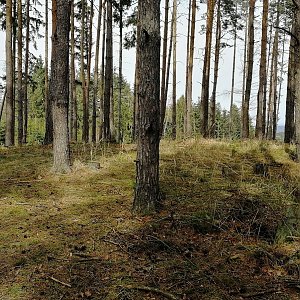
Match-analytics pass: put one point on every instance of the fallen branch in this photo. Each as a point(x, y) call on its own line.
point(60, 282)
point(259, 293)
point(151, 289)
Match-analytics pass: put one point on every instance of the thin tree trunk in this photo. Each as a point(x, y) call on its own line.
point(174, 83)
point(2, 105)
point(187, 117)
point(85, 121)
point(73, 103)
point(89, 60)
point(20, 75)
point(262, 72)
point(120, 131)
point(289, 128)
point(204, 105)
point(101, 114)
point(48, 104)
point(9, 130)
point(232, 80)
point(147, 195)
point(96, 75)
point(59, 81)
point(164, 66)
point(250, 54)
point(212, 126)
point(108, 74)
point(297, 77)
point(189, 93)
point(136, 86)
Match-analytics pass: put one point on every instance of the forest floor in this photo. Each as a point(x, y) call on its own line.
point(228, 228)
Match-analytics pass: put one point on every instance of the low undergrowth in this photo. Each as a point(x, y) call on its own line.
point(228, 229)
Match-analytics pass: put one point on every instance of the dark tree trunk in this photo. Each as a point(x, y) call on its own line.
point(48, 104)
point(262, 72)
point(250, 54)
point(59, 84)
point(212, 127)
point(108, 75)
point(204, 105)
point(174, 83)
point(10, 127)
point(289, 128)
point(20, 75)
point(146, 196)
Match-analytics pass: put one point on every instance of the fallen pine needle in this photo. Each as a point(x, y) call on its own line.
point(60, 282)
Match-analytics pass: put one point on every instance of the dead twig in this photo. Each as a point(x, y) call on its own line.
point(259, 293)
point(167, 295)
point(60, 282)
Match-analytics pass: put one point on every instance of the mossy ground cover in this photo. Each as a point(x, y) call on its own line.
point(228, 228)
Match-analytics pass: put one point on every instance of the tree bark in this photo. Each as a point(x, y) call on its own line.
point(73, 98)
point(297, 77)
point(212, 127)
point(48, 104)
point(189, 91)
point(108, 75)
point(174, 80)
point(250, 54)
point(59, 91)
point(262, 72)
point(120, 130)
point(289, 128)
point(206, 70)
point(9, 129)
point(146, 198)
point(163, 100)
point(187, 117)
point(20, 75)
point(85, 104)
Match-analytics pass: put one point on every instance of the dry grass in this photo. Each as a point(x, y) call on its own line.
point(215, 238)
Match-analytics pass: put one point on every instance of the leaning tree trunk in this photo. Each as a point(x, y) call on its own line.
point(204, 105)
point(250, 54)
point(9, 129)
point(59, 91)
point(289, 128)
point(146, 196)
point(262, 72)
point(164, 67)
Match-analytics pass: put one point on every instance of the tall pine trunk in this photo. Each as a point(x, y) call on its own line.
point(204, 105)
point(48, 104)
point(212, 126)
point(108, 75)
point(174, 80)
point(250, 55)
point(189, 87)
point(146, 197)
point(262, 72)
point(289, 127)
point(59, 83)
point(20, 75)
point(9, 129)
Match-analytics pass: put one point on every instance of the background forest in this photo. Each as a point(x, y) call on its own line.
point(224, 25)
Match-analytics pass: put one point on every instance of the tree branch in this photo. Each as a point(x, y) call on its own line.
point(290, 34)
